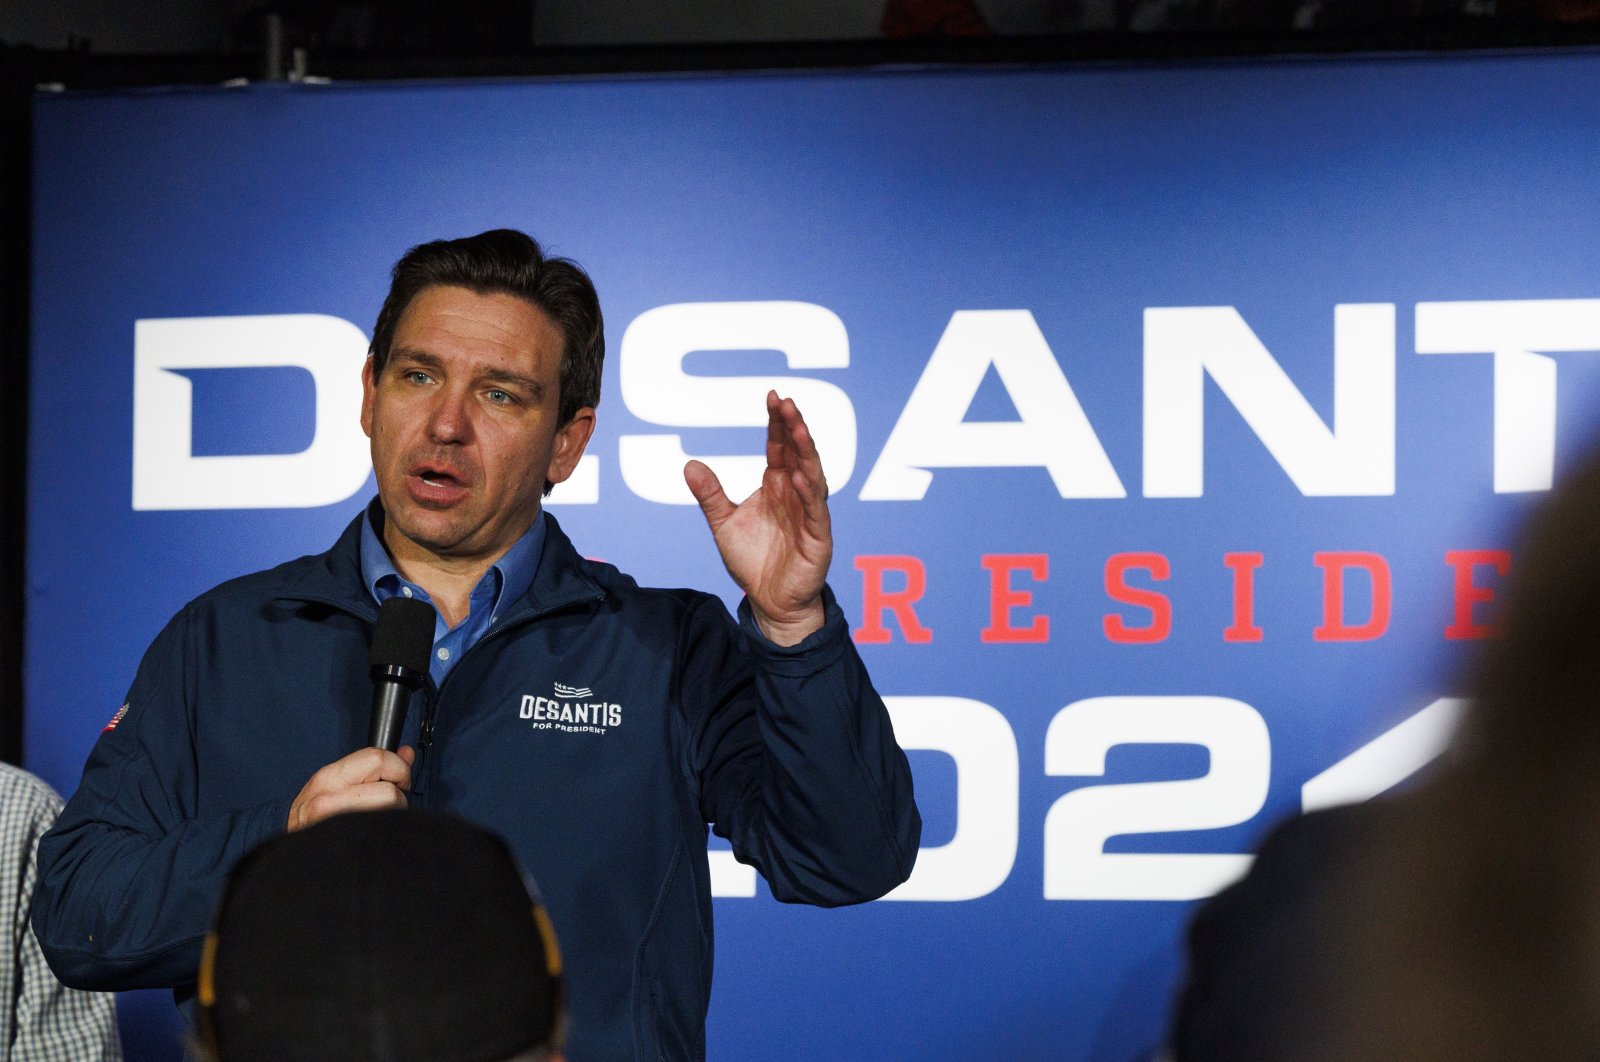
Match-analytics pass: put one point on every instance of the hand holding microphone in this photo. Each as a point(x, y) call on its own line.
point(377, 777)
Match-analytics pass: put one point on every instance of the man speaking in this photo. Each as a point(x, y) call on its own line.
point(599, 726)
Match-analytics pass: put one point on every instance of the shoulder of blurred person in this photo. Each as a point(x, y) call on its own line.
point(1258, 963)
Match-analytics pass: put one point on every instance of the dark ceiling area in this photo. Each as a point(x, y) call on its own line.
point(102, 45)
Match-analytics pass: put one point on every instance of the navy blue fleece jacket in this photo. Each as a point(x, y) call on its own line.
point(599, 726)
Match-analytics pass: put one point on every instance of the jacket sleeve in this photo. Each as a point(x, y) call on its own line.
point(130, 872)
point(796, 759)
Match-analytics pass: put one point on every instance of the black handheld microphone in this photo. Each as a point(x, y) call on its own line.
point(399, 661)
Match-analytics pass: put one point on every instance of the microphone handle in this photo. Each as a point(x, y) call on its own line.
point(391, 696)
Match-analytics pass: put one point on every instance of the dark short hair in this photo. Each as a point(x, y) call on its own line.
point(509, 262)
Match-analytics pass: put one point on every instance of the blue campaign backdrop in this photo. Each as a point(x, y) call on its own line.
point(1119, 646)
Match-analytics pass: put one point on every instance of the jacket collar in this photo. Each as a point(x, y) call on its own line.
point(562, 580)
point(334, 577)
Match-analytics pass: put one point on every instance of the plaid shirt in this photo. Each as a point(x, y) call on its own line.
point(44, 1021)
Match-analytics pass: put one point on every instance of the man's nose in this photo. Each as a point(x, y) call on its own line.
point(450, 419)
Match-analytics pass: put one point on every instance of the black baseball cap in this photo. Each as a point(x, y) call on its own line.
point(382, 936)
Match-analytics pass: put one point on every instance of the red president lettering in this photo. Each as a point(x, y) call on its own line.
point(877, 601)
point(1357, 597)
point(1335, 626)
point(1244, 567)
point(1117, 589)
point(1003, 598)
point(1469, 593)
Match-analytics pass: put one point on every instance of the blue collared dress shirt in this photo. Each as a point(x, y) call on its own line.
point(506, 580)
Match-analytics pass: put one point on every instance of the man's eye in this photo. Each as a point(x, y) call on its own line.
point(499, 397)
point(416, 376)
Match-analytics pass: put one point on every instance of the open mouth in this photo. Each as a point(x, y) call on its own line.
point(437, 484)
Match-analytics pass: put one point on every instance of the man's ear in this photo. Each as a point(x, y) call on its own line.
point(369, 392)
point(571, 438)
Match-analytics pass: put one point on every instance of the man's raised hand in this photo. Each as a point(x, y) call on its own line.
point(778, 542)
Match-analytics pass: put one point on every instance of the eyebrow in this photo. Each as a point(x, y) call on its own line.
point(412, 356)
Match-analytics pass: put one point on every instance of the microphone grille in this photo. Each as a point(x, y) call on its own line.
point(405, 634)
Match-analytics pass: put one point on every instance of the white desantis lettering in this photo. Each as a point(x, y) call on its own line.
point(1184, 346)
point(167, 475)
point(591, 714)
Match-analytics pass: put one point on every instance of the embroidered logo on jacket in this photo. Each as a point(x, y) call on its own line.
point(571, 710)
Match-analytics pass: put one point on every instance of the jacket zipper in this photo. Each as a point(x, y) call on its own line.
point(425, 738)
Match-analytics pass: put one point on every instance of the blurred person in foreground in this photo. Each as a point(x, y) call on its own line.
point(303, 963)
point(43, 1020)
point(1461, 920)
